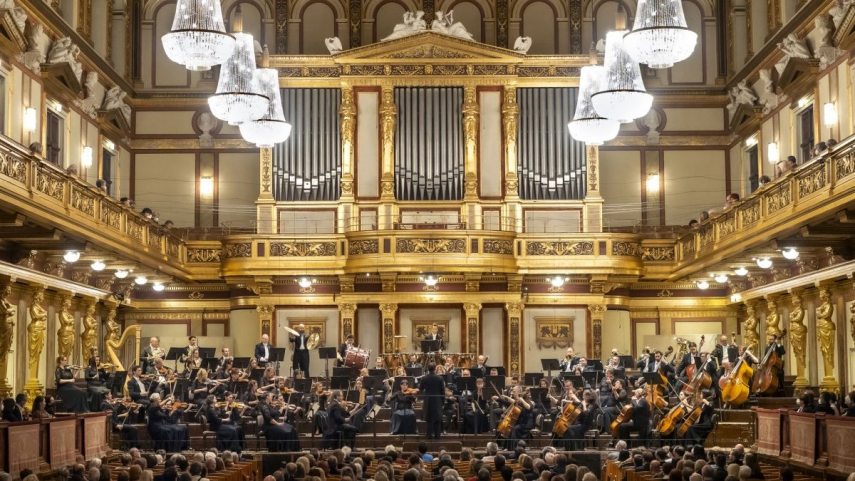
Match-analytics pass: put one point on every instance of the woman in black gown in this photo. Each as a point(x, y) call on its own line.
point(73, 398)
point(280, 435)
point(403, 415)
point(96, 380)
point(229, 436)
point(166, 435)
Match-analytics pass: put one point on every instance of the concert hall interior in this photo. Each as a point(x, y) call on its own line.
point(427, 240)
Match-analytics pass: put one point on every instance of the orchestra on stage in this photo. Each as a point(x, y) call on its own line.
point(670, 396)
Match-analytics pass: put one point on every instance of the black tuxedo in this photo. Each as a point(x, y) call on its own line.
point(731, 352)
point(432, 387)
point(261, 355)
point(301, 353)
point(147, 363)
point(688, 360)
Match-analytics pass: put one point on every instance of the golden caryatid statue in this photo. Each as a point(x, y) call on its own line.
point(36, 332)
point(798, 337)
point(750, 332)
point(8, 312)
point(825, 331)
point(773, 324)
point(113, 342)
point(89, 337)
point(852, 321)
point(65, 332)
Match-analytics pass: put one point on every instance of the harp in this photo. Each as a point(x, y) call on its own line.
point(119, 349)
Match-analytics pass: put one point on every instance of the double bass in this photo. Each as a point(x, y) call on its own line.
point(736, 386)
point(701, 380)
point(690, 369)
point(766, 378)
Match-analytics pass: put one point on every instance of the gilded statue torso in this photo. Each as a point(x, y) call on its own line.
point(7, 326)
point(798, 331)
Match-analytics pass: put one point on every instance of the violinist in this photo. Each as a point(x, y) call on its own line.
point(403, 415)
point(338, 424)
point(229, 434)
point(165, 432)
point(618, 399)
point(138, 391)
point(73, 398)
point(162, 377)
point(193, 361)
point(96, 380)
point(450, 410)
point(268, 380)
point(235, 384)
point(569, 360)
point(250, 396)
point(200, 388)
point(474, 407)
point(280, 435)
point(119, 411)
point(640, 421)
point(223, 370)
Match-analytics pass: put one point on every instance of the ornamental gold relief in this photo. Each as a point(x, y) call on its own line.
point(13, 167)
point(658, 254)
point(302, 249)
point(83, 202)
point(430, 246)
point(630, 249)
point(559, 248)
point(777, 198)
point(812, 181)
point(195, 255)
point(498, 246)
point(363, 247)
point(844, 166)
point(241, 249)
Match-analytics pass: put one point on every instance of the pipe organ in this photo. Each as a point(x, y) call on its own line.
point(551, 164)
point(308, 165)
point(429, 143)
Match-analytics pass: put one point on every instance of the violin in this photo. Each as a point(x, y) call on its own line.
point(410, 391)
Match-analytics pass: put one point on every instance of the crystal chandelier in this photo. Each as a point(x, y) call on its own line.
point(659, 36)
point(198, 39)
point(238, 98)
point(272, 127)
point(621, 95)
point(587, 126)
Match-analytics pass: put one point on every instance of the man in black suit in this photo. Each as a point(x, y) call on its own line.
point(342, 350)
point(689, 358)
point(640, 418)
point(138, 391)
point(434, 335)
point(262, 350)
point(773, 344)
point(150, 353)
point(725, 350)
point(338, 422)
point(301, 352)
point(432, 387)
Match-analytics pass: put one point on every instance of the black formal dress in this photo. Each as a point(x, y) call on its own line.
point(127, 432)
point(73, 398)
point(403, 416)
point(697, 434)
point(432, 388)
point(475, 411)
point(338, 427)
point(301, 353)
point(163, 430)
point(520, 430)
point(229, 436)
point(96, 380)
point(280, 437)
point(574, 437)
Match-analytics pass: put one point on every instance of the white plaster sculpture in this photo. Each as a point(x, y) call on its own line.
point(446, 25)
point(792, 47)
point(19, 16)
point(768, 97)
point(742, 94)
point(37, 46)
point(522, 44)
point(413, 24)
point(206, 123)
point(115, 99)
point(826, 52)
point(333, 45)
point(93, 95)
point(838, 10)
point(64, 51)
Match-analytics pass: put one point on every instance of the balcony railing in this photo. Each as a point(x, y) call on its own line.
point(42, 191)
point(814, 191)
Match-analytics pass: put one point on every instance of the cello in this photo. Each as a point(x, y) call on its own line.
point(736, 385)
point(509, 417)
point(690, 369)
point(569, 414)
point(669, 422)
point(692, 418)
point(766, 379)
point(701, 379)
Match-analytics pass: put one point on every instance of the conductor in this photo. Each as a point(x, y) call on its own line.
point(433, 388)
point(301, 351)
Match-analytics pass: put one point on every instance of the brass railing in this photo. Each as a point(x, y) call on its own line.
point(815, 190)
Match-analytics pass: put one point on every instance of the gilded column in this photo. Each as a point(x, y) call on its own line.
point(266, 205)
point(514, 338)
point(388, 119)
point(65, 332)
point(347, 115)
point(798, 337)
point(281, 27)
point(8, 314)
point(473, 327)
point(36, 336)
point(598, 313)
point(773, 17)
point(593, 216)
point(825, 333)
point(387, 315)
point(347, 317)
point(265, 319)
point(470, 142)
point(510, 118)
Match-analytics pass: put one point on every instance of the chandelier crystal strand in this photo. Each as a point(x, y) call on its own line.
point(272, 127)
point(198, 39)
point(621, 95)
point(239, 96)
point(588, 126)
point(659, 36)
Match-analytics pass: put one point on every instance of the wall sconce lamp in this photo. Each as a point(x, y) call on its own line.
point(652, 182)
point(86, 157)
point(206, 186)
point(772, 152)
point(30, 119)
point(829, 114)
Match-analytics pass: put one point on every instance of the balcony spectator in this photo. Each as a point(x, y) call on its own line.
point(819, 149)
point(730, 201)
point(101, 185)
point(71, 170)
point(126, 202)
point(831, 143)
point(147, 213)
point(693, 224)
point(705, 216)
point(785, 166)
point(764, 181)
point(168, 225)
point(850, 405)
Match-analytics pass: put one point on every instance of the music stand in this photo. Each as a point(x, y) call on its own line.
point(327, 353)
point(592, 378)
point(532, 378)
point(500, 370)
point(352, 396)
point(465, 384)
point(347, 372)
point(654, 380)
point(206, 352)
point(550, 365)
point(498, 381)
point(174, 354)
point(578, 381)
point(211, 364)
point(378, 372)
point(372, 383)
point(240, 362)
point(596, 364)
point(430, 345)
point(340, 382)
point(118, 382)
point(256, 374)
point(303, 385)
point(627, 362)
point(414, 371)
point(476, 372)
point(538, 394)
point(277, 354)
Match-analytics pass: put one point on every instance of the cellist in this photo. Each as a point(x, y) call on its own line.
point(697, 434)
point(525, 420)
point(574, 437)
point(618, 399)
point(773, 344)
point(689, 359)
point(640, 421)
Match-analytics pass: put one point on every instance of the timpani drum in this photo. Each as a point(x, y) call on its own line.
point(357, 358)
